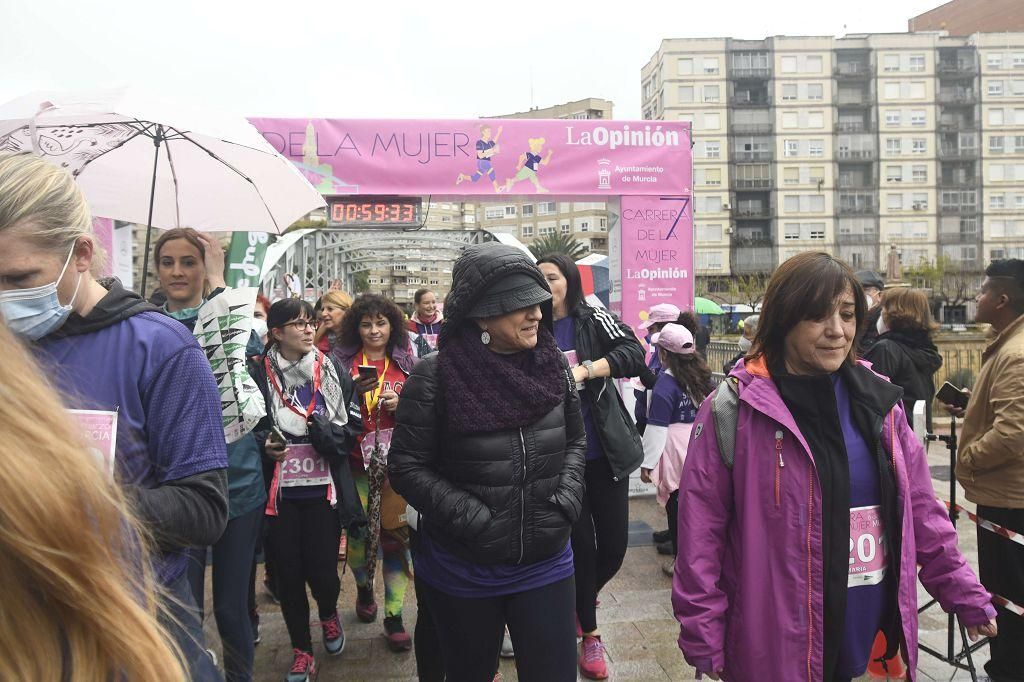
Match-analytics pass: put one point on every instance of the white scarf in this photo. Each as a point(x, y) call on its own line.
point(293, 375)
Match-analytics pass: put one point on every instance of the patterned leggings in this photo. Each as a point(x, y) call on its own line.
point(397, 562)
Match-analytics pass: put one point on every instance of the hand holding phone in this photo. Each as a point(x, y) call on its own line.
point(368, 378)
point(953, 396)
point(276, 446)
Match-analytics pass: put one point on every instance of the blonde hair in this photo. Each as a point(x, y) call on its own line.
point(79, 600)
point(339, 299)
point(907, 310)
point(45, 199)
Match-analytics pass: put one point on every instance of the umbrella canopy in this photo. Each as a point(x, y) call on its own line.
point(703, 306)
point(594, 277)
point(132, 154)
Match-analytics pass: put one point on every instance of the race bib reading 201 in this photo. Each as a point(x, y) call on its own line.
point(869, 557)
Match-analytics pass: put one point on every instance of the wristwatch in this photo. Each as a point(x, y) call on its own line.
point(590, 368)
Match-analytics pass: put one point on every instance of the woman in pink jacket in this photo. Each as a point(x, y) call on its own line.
point(802, 541)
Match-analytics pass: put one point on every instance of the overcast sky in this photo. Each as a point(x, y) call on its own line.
point(388, 58)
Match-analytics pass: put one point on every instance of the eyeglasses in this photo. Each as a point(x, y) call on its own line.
point(300, 325)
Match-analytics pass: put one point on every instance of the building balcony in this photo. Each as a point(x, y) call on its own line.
point(852, 71)
point(958, 68)
point(752, 183)
point(750, 73)
point(752, 157)
point(750, 257)
point(857, 203)
point(857, 239)
point(956, 126)
point(960, 238)
point(958, 182)
point(855, 154)
point(958, 209)
point(854, 102)
point(853, 127)
point(763, 213)
point(958, 152)
point(750, 128)
point(957, 97)
point(743, 102)
point(867, 184)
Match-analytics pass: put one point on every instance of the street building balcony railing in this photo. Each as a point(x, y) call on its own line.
point(958, 209)
point(750, 72)
point(753, 213)
point(958, 152)
point(957, 68)
point(856, 239)
point(852, 71)
point(855, 154)
point(955, 126)
point(754, 102)
point(957, 97)
point(752, 183)
point(848, 101)
point(851, 184)
point(752, 157)
point(853, 127)
point(959, 238)
point(751, 128)
point(746, 259)
point(958, 182)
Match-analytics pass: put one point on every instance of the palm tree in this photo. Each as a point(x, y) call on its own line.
point(559, 243)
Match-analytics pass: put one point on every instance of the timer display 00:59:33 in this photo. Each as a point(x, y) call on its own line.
point(373, 212)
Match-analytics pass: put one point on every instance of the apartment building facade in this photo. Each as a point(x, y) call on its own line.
point(854, 145)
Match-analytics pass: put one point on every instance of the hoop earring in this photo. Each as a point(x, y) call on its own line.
point(485, 338)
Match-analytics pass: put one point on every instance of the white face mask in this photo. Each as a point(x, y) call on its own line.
point(259, 326)
point(745, 344)
point(880, 325)
point(34, 313)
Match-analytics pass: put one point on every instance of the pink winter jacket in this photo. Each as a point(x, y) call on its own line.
point(748, 588)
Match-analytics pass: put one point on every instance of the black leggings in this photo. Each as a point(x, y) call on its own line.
point(599, 537)
point(539, 620)
point(303, 539)
point(672, 512)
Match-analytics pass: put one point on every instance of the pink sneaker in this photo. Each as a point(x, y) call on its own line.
point(592, 663)
point(303, 667)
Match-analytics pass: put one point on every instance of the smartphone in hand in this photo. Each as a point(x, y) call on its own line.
point(368, 372)
point(951, 395)
point(276, 436)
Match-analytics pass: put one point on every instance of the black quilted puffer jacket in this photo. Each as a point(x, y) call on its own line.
point(508, 496)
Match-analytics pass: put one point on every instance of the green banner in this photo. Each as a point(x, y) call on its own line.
point(245, 259)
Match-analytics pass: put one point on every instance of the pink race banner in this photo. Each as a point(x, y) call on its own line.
point(486, 157)
point(654, 257)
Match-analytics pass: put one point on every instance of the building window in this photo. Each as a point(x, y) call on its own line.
point(917, 62)
point(1018, 60)
point(919, 145)
point(566, 228)
point(893, 145)
point(685, 67)
point(892, 91)
point(995, 61)
point(894, 173)
point(685, 93)
point(527, 230)
point(995, 144)
point(917, 90)
point(510, 211)
point(995, 117)
point(813, 64)
point(712, 150)
point(709, 233)
point(546, 208)
point(711, 65)
point(1018, 143)
point(603, 224)
point(527, 210)
point(546, 230)
point(494, 213)
point(584, 226)
point(892, 117)
point(790, 119)
point(712, 121)
point(712, 204)
point(995, 88)
point(918, 117)
point(792, 148)
point(816, 174)
point(815, 91)
point(919, 201)
point(789, 65)
point(713, 176)
point(791, 175)
point(816, 119)
point(1017, 88)
point(815, 230)
point(791, 231)
point(997, 202)
point(894, 202)
point(919, 173)
point(891, 63)
point(789, 92)
point(816, 148)
point(711, 93)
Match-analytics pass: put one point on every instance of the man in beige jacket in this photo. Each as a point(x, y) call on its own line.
point(990, 459)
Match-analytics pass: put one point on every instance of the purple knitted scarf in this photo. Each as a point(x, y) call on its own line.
point(485, 391)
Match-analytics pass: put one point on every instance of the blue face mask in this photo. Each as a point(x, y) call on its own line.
point(34, 313)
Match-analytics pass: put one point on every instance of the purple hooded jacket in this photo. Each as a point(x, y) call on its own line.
point(748, 588)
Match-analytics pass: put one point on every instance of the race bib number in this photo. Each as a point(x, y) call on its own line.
point(303, 466)
point(371, 440)
point(99, 429)
point(869, 557)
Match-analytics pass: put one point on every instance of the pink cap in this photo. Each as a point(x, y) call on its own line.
point(663, 312)
point(675, 338)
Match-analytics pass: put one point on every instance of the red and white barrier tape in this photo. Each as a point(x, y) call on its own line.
point(1010, 535)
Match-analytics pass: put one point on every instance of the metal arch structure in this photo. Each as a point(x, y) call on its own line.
point(321, 256)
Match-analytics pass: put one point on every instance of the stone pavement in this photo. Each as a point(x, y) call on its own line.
point(635, 617)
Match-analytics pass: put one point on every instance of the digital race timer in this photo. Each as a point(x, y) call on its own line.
point(374, 212)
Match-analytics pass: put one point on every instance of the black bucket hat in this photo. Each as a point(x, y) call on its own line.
point(513, 292)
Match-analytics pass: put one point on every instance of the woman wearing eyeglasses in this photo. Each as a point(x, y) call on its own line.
point(311, 424)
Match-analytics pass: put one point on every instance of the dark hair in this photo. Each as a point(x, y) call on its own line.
point(574, 286)
point(186, 233)
point(1010, 274)
point(420, 293)
point(689, 320)
point(372, 305)
point(284, 311)
point(805, 287)
point(691, 373)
